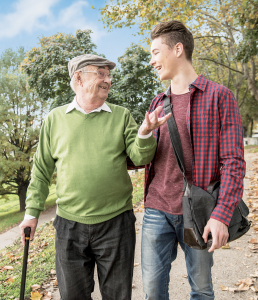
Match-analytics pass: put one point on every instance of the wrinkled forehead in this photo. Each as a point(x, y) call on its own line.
point(94, 68)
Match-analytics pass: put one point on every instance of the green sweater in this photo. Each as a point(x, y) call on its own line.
point(89, 152)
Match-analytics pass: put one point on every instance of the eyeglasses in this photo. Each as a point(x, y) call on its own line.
point(100, 75)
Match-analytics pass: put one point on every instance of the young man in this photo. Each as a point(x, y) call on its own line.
point(210, 130)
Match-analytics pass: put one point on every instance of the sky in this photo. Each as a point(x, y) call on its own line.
point(22, 22)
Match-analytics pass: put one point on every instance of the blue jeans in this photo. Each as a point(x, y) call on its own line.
point(161, 233)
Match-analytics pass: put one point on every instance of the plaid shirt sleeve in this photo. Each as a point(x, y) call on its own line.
point(231, 157)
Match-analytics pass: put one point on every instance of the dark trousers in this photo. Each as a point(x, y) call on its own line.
point(109, 244)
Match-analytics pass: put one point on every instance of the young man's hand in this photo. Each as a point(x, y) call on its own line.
point(219, 232)
point(152, 121)
point(28, 223)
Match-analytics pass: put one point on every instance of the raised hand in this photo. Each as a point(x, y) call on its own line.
point(152, 121)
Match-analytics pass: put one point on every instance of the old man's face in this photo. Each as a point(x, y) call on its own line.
point(97, 81)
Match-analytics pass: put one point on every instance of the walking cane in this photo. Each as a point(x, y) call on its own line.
point(25, 260)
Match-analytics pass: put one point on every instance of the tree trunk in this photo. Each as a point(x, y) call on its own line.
point(251, 129)
point(22, 190)
point(245, 131)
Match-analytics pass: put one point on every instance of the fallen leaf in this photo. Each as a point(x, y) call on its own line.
point(8, 268)
point(247, 281)
point(185, 276)
point(35, 287)
point(237, 248)
point(47, 296)
point(35, 295)
point(223, 288)
point(53, 272)
point(248, 255)
point(136, 264)
point(254, 288)
point(253, 241)
point(255, 275)
point(226, 246)
point(9, 280)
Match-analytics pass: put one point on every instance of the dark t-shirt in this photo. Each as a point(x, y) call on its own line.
point(165, 191)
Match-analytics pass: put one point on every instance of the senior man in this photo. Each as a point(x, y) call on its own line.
point(87, 142)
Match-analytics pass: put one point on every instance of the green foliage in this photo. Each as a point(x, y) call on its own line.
point(223, 30)
point(21, 115)
point(248, 19)
point(46, 66)
point(135, 83)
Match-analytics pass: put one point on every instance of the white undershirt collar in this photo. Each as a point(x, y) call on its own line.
point(75, 105)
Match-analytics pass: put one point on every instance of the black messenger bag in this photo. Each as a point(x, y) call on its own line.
point(198, 204)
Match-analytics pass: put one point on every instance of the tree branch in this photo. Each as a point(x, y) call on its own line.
point(211, 36)
point(216, 62)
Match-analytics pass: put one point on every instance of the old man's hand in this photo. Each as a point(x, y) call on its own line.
point(152, 121)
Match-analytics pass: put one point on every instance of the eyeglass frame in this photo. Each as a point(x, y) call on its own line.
point(110, 76)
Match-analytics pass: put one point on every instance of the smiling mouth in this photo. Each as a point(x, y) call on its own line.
point(104, 87)
point(158, 68)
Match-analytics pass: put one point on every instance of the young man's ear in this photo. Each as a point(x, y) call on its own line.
point(179, 48)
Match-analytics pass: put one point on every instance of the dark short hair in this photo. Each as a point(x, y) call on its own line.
point(174, 32)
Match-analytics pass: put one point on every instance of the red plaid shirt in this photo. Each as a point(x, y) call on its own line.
point(214, 125)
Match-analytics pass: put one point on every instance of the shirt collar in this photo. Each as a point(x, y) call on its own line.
point(200, 83)
point(75, 105)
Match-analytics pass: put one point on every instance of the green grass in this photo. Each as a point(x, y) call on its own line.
point(9, 211)
point(41, 262)
point(251, 148)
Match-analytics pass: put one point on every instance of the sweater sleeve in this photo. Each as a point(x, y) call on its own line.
point(140, 151)
point(42, 171)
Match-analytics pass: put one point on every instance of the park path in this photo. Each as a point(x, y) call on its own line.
point(230, 265)
point(7, 238)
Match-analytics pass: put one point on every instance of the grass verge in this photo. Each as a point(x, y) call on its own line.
point(10, 215)
point(40, 263)
point(251, 148)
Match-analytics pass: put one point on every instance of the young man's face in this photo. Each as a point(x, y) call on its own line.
point(163, 59)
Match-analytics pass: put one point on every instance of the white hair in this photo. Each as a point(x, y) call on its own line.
point(72, 82)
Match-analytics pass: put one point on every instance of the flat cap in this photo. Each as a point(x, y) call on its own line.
point(81, 61)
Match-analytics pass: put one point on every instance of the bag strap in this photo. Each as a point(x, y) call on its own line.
point(175, 138)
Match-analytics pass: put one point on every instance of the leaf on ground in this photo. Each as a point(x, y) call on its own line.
point(35, 287)
point(255, 274)
point(35, 296)
point(47, 296)
point(53, 272)
point(9, 280)
point(253, 241)
point(136, 264)
point(237, 248)
point(226, 246)
point(8, 268)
